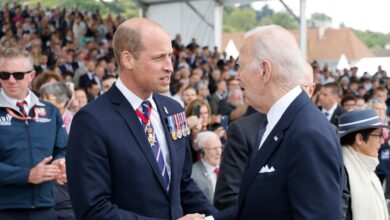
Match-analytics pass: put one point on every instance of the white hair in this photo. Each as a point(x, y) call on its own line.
point(202, 137)
point(280, 48)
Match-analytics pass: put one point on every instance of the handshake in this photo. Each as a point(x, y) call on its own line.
point(195, 216)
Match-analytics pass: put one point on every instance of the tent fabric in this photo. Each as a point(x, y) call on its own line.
point(200, 19)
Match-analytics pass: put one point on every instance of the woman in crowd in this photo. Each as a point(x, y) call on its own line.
point(59, 95)
point(199, 119)
point(361, 136)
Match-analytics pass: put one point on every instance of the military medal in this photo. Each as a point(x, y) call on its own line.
point(172, 128)
point(186, 128)
point(149, 132)
point(178, 130)
point(148, 126)
point(182, 124)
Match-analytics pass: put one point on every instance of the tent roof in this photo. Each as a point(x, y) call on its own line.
point(154, 2)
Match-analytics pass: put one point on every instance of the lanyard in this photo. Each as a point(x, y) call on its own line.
point(142, 116)
point(12, 113)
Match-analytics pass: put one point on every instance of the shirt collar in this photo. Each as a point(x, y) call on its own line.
point(133, 99)
point(13, 102)
point(209, 167)
point(331, 110)
point(279, 107)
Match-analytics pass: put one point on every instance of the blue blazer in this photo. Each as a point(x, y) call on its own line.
point(304, 151)
point(112, 173)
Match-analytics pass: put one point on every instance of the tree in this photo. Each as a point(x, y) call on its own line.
point(264, 12)
point(240, 19)
point(285, 20)
point(319, 19)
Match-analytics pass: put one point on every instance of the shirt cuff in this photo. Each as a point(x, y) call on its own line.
point(210, 217)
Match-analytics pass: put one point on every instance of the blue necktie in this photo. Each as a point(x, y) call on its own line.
point(260, 132)
point(259, 135)
point(146, 107)
point(326, 114)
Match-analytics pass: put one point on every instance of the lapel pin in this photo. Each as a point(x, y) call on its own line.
point(276, 138)
point(166, 110)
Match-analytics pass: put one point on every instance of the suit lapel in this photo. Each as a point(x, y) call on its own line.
point(164, 112)
point(260, 157)
point(123, 107)
point(206, 175)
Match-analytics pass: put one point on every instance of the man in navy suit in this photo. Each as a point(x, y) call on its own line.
point(125, 160)
point(296, 170)
point(241, 137)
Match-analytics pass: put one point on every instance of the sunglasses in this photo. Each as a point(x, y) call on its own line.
point(17, 75)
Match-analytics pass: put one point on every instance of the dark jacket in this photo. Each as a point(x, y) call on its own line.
point(23, 144)
point(112, 172)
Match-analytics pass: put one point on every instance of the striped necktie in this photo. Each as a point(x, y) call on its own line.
point(151, 135)
point(22, 107)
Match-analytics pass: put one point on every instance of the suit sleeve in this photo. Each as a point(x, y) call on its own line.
point(314, 175)
point(233, 163)
point(88, 170)
point(192, 199)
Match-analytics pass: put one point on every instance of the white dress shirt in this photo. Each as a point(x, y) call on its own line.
point(210, 171)
point(136, 102)
point(14, 101)
point(330, 111)
point(277, 109)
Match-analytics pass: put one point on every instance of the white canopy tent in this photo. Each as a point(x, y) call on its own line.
point(200, 19)
point(343, 63)
point(231, 50)
point(370, 65)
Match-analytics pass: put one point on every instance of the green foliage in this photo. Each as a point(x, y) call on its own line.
point(285, 20)
point(244, 18)
point(265, 11)
point(373, 40)
point(319, 18)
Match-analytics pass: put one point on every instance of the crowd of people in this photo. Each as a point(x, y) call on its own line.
point(77, 56)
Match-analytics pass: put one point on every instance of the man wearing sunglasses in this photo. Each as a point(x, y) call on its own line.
point(32, 143)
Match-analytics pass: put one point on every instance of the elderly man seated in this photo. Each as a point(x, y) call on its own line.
point(205, 170)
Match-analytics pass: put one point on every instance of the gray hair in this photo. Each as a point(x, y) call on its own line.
point(58, 89)
point(202, 138)
point(201, 85)
point(278, 46)
point(13, 53)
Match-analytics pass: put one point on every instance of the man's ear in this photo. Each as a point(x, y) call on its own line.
point(33, 74)
point(266, 70)
point(127, 60)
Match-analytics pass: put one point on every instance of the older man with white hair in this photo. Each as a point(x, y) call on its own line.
point(205, 171)
point(296, 170)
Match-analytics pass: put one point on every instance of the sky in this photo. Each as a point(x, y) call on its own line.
point(363, 15)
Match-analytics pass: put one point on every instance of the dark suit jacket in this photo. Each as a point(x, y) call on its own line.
point(241, 137)
point(336, 114)
point(304, 151)
point(84, 80)
point(112, 172)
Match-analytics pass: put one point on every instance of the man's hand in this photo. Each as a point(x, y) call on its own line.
point(61, 177)
point(195, 216)
point(43, 172)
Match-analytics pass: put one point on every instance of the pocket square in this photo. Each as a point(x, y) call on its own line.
point(266, 169)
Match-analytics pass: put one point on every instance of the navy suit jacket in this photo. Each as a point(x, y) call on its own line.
point(304, 151)
point(241, 138)
point(112, 173)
